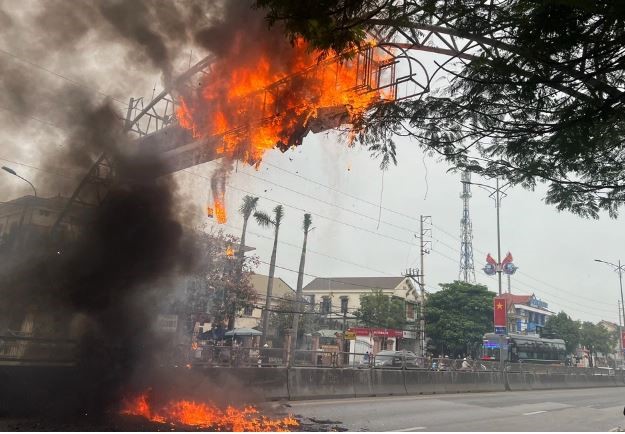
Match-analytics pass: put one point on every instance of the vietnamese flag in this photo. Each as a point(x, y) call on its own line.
point(499, 309)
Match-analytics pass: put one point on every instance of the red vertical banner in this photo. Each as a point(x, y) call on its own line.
point(499, 310)
point(623, 339)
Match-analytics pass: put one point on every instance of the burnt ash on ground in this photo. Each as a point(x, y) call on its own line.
point(126, 423)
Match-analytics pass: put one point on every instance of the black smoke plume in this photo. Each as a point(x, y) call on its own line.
point(106, 282)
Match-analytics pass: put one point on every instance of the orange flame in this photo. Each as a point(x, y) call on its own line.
point(263, 104)
point(217, 211)
point(207, 416)
point(229, 251)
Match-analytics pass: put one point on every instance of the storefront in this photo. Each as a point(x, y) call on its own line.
point(375, 340)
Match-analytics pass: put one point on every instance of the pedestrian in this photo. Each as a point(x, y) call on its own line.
point(265, 354)
point(366, 358)
point(465, 364)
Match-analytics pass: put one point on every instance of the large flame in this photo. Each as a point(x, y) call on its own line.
point(260, 101)
point(207, 416)
point(261, 104)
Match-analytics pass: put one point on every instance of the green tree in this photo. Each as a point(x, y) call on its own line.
point(264, 220)
point(595, 338)
point(210, 287)
point(283, 316)
point(563, 327)
point(540, 97)
point(380, 310)
point(300, 278)
point(458, 316)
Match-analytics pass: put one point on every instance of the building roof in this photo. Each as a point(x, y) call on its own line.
point(280, 287)
point(608, 324)
point(353, 283)
point(54, 202)
point(516, 299)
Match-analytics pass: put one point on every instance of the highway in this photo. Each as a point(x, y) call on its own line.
point(597, 409)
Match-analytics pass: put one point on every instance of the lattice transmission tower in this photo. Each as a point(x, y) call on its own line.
point(467, 269)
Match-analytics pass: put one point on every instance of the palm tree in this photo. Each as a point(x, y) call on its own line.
point(264, 220)
point(300, 279)
point(247, 208)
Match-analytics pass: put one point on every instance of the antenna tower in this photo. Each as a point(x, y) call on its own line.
point(467, 270)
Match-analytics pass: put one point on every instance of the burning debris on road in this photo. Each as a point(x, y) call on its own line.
point(206, 416)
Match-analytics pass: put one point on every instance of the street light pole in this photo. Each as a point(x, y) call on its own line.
point(22, 235)
point(497, 204)
point(14, 173)
point(618, 268)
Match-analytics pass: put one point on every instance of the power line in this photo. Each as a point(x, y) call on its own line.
point(32, 117)
point(533, 278)
point(308, 250)
point(377, 205)
point(328, 203)
point(56, 74)
point(304, 210)
point(438, 227)
point(360, 228)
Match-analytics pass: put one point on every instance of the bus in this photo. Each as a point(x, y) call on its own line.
point(522, 348)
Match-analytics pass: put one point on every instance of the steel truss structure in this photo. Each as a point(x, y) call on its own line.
point(401, 75)
point(467, 268)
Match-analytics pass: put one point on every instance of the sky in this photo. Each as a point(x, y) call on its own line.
point(366, 221)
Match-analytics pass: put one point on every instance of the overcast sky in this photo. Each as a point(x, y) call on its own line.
point(366, 222)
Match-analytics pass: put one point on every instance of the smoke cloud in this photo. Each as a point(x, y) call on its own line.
point(108, 280)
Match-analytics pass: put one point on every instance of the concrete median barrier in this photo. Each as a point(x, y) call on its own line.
point(461, 382)
point(518, 381)
point(421, 382)
point(363, 383)
point(388, 382)
point(270, 383)
point(311, 383)
point(44, 390)
point(489, 382)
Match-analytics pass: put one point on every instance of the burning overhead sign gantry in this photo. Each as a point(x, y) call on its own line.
point(238, 110)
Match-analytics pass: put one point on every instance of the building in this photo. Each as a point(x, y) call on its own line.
point(25, 224)
point(526, 314)
point(339, 297)
point(25, 221)
point(251, 317)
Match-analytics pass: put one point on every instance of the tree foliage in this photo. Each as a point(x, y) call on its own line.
point(596, 338)
point(458, 316)
point(563, 327)
point(283, 314)
point(380, 310)
point(540, 98)
point(213, 288)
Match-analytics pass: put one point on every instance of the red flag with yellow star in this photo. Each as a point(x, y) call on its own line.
point(500, 310)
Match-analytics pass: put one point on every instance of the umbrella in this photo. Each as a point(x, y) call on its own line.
point(243, 332)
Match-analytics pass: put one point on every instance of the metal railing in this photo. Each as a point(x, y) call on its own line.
point(31, 350)
point(217, 355)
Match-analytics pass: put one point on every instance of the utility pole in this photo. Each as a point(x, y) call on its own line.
point(618, 268)
point(620, 328)
point(418, 275)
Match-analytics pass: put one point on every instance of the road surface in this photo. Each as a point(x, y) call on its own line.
point(599, 409)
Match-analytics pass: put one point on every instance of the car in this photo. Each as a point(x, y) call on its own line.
point(395, 359)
